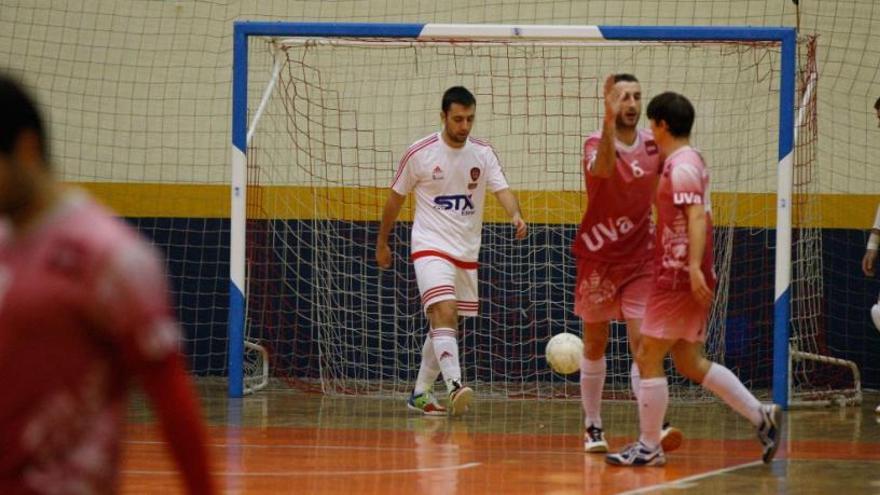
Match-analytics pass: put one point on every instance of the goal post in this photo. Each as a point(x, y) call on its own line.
point(457, 41)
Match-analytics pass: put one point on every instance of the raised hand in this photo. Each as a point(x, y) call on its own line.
point(613, 98)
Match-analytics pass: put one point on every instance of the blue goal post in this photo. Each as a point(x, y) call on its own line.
point(783, 36)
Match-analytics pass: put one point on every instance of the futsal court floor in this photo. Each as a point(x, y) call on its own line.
point(285, 441)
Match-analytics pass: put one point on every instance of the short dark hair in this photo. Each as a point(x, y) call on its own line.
point(675, 110)
point(877, 104)
point(457, 94)
point(625, 77)
point(20, 113)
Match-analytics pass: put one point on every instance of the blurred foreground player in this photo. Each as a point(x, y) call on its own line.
point(83, 314)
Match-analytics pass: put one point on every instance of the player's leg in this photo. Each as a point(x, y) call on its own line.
point(671, 437)
point(634, 292)
point(653, 398)
point(767, 418)
point(596, 302)
point(875, 317)
point(422, 398)
point(444, 335)
point(633, 301)
point(466, 304)
point(592, 382)
point(436, 281)
point(633, 336)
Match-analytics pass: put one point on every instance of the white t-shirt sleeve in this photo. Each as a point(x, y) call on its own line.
point(877, 218)
point(496, 179)
point(687, 184)
point(406, 178)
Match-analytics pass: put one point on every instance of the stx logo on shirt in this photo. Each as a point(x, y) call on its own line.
point(455, 202)
point(687, 198)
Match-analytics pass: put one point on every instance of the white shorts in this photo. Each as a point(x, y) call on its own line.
point(440, 280)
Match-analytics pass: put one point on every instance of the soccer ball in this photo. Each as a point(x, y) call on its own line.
point(564, 353)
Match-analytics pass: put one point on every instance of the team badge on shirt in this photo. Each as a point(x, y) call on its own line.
point(438, 173)
point(475, 176)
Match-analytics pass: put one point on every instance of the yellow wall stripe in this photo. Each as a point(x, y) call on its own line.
point(757, 210)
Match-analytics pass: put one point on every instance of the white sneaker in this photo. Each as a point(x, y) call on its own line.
point(637, 455)
point(594, 440)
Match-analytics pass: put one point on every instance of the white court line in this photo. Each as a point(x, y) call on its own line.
point(287, 446)
point(682, 481)
point(457, 467)
point(566, 452)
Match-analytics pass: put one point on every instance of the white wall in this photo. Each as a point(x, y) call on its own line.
point(139, 91)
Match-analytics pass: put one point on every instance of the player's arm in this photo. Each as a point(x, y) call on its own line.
point(168, 387)
point(606, 152)
point(132, 307)
point(389, 215)
point(511, 206)
point(696, 227)
point(869, 260)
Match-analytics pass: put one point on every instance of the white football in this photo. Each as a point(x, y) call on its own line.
point(564, 353)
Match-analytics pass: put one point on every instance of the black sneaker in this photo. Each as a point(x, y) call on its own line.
point(594, 440)
point(459, 399)
point(770, 431)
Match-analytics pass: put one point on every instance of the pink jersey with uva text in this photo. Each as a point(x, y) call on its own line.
point(684, 182)
point(617, 224)
point(83, 309)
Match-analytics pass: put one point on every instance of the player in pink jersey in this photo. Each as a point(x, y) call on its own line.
point(449, 173)
point(684, 281)
point(869, 260)
point(614, 244)
point(83, 313)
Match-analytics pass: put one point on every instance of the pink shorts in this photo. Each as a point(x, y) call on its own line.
point(675, 315)
point(612, 291)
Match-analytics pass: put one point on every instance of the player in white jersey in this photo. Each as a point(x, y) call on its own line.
point(449, 173)
point(869, 260)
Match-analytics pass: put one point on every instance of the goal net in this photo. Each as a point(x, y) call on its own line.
point(331, 108)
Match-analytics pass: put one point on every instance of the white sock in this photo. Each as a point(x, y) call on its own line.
point(634, 379)
point(446, 351)
point(429, 368)
point(592, 383)
point(723, 383)
point(653, 399)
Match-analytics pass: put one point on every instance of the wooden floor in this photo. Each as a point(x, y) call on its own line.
point(285, 441)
